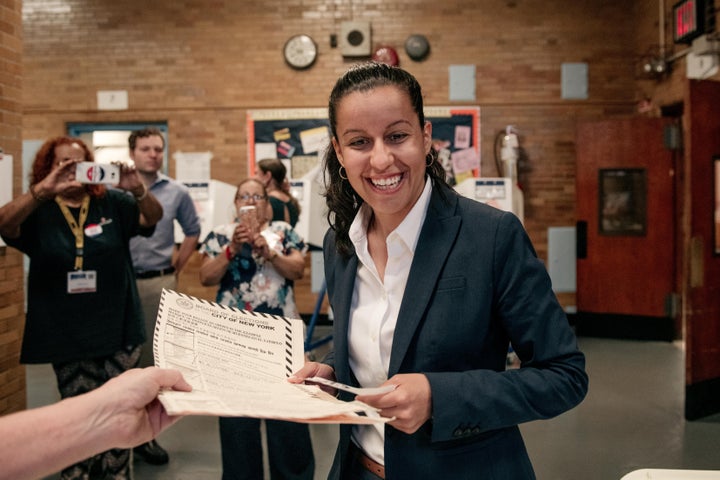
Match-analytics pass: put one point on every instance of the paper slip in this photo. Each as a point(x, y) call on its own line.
point(355, 390)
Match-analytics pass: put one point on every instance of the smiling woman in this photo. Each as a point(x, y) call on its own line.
point(382, 147)
point(363, 84)
point(428, 289)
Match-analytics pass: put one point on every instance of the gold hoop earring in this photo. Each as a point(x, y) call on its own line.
point(340, 172)
point(429, 160)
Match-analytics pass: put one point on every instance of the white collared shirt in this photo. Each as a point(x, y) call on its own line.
point(375, 306)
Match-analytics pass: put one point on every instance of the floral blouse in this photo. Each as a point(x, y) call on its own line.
point(251, 282)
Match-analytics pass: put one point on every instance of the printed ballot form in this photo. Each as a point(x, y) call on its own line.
point(238, 363)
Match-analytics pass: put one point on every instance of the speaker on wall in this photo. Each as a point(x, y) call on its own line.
point(355, 39)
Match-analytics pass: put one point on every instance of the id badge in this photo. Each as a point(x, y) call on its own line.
point(82, 281)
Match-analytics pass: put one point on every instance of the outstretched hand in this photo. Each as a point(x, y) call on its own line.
point(122, 413)
point(129, 406)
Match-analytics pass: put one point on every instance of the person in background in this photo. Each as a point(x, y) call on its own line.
point(254, 262)
point(156, 260)
point(121, 413)
point(83, 312)
point(428, 289)
point(273, 174)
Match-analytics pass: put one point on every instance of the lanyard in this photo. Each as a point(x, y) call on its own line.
point(76, 227)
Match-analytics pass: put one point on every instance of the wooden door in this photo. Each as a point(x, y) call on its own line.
point(702, 285)
point(626, 223)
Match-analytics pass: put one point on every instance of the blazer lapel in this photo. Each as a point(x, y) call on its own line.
point(345, 272)
point(437, 237)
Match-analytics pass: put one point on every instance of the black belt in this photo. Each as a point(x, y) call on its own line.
point(155, 273)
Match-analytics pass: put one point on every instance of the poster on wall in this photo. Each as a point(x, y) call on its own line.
point(300, 137)
point(456, 138)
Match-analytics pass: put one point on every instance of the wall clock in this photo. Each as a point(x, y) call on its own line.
point(300, 51)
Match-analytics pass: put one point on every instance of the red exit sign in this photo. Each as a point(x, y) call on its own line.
point(688, 20)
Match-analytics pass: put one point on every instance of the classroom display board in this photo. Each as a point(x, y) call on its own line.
point(301, 136)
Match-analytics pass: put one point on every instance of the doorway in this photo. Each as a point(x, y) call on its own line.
point(626, 205)
point(109, 141)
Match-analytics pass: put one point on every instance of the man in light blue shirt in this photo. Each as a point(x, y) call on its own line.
point(156, 261)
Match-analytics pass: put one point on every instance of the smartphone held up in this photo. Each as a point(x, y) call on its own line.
point(247, 215)
point(91, 172)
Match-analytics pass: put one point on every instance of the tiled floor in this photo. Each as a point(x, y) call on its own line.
point(631, 419)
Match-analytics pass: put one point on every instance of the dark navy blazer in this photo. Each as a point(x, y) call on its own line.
point(475, 285)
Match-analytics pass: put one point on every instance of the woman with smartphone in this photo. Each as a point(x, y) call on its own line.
point(254, 262)
point(84, 316)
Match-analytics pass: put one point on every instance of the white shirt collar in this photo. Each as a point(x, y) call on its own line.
point(408, 230)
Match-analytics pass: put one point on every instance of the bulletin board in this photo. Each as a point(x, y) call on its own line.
point(300, 137)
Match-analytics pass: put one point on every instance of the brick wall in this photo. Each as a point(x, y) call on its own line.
point(200, 65)
point(12, 375)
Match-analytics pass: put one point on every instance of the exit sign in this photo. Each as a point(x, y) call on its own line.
point(688, 20)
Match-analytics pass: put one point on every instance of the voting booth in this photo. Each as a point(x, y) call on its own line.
point(495, 191)
point(308, 191)
point(215, 205)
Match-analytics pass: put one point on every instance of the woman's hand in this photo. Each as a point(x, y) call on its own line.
point(60, 179)
point(213, 268)
point(130, 179)
point(262, 248)
point(410, 403)
point(150, 209)
point(241, 234)
point(315, 369)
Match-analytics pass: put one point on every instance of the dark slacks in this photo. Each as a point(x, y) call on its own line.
point(289, 447)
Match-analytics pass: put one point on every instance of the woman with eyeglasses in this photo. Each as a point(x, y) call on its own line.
point(255, 261)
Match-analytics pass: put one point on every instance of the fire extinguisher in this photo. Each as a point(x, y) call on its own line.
point(507, 166)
